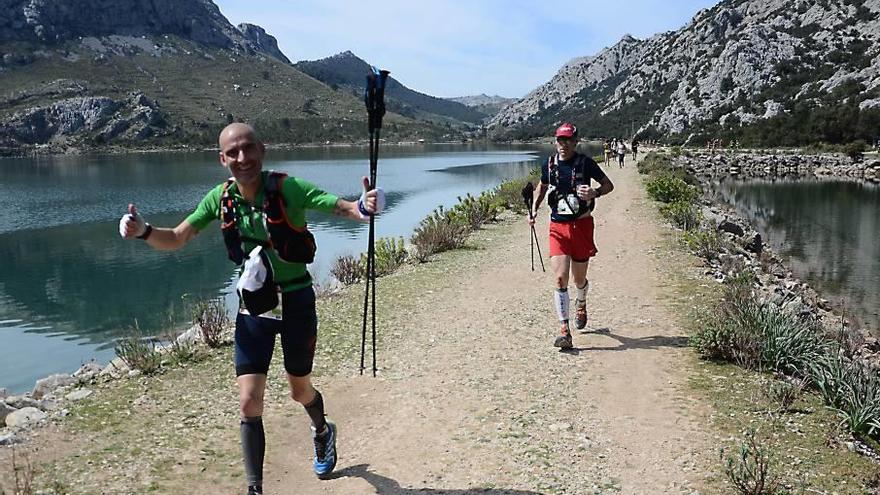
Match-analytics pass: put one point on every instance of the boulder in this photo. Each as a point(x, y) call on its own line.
point(191, 336)
point(25, 418)
point(77, 395)
point(115, 369)
point(8, 438)
point(49, 403)
point(20, 401)
point(50, 383)
point(87, 371)
point(753, 243)
point(727, 225)
point(5, 410)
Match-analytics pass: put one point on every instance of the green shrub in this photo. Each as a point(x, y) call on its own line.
point(210, 315)
point(731, 332)
point(139, 352)
point(856, 150)
point(669, 189)
point(347, 269)
point(784, 393)
point(852, 388)
point(683, 214)
point(390, 254)
point(474, 212)
point(508, 194)
point(183, 352)
point(748, 469)
point(440, 231)
point(655, 163)
point(705, 243)
point(790, 344)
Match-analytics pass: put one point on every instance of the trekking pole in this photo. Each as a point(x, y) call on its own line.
point(540, 258)
point(374, 97)
point(528, 194)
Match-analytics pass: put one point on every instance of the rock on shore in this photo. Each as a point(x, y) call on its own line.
point(76, 120)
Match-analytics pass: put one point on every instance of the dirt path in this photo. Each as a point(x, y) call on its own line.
point(473, 398)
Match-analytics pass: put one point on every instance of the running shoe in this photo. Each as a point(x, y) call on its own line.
point(563, 341)
point(325, 450)
point(255, 490)
point(580, 318)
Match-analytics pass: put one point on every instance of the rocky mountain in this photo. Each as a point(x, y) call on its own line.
point(771, 70)
point(490, 105)
point(85, 74)
point(54, 21)
point(347, 71)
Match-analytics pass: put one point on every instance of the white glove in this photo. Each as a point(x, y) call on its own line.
point(132, 224)
point(380, 203)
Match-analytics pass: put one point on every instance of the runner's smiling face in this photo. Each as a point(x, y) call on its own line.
point(242, 154)
point(566, 147)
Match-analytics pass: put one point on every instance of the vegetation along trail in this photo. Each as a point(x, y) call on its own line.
point(472, 395)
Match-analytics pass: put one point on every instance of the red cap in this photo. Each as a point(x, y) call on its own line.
point(566, 130)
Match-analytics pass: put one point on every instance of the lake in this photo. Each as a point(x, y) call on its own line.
point(828, 231)
point(69, 285)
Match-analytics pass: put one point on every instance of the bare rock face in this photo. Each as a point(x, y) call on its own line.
point(99, 118)
point(726, 55)
point(51, 21)
point(50, 383)
point(262, 41)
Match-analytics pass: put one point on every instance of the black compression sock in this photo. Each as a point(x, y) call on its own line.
point(253, 446)
point(316, 412)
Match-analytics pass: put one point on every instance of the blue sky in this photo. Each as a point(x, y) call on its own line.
point(460, 47)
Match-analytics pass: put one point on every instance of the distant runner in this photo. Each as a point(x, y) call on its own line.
point(621, 152)
point(606, 148)
point(263, 213)
point(567, 176)
point(634, 146)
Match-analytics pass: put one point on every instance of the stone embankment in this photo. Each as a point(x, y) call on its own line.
point(777, 284)
point(756, 164)
point(51, 396)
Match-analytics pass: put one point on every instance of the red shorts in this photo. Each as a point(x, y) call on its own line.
point(573, 239)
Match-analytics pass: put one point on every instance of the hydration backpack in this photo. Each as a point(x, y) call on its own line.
point(292, 244)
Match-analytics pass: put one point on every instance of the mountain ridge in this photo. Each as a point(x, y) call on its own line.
point(102, 74)
point(734, 66)
point(347, 70)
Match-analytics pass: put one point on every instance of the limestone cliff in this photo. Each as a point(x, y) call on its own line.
point(735, 63)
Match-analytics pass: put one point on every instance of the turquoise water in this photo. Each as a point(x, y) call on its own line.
point(69, 285)
point(828, 231)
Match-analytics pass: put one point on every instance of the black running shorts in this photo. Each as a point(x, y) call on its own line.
point(255, 336)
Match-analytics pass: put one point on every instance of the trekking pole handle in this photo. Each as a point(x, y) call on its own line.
point(374, 97)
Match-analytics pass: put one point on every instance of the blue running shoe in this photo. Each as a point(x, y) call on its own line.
point(325, 450)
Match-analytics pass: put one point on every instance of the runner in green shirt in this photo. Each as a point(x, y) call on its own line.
point(242, 154)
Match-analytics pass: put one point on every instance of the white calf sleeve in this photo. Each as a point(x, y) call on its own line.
point(561, 297)
point(582, 291)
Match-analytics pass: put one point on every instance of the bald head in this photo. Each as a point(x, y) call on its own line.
point(242, 153)
point(236, 130)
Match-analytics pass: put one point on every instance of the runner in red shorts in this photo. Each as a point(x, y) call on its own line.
point(568, 175)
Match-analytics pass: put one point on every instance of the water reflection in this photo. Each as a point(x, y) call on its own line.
point(69, 285)
point(828, 230)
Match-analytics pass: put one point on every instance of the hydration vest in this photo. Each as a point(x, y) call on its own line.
point(292, 244)
point(553, 176)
